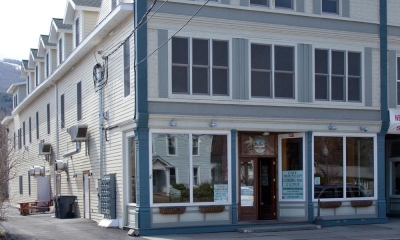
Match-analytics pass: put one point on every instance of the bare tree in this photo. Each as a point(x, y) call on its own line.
point(8, 167)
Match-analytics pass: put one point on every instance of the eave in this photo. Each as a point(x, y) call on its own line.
point(15, 86)
point(118, 15)
point(72, 7)
point(7, 120)
point(54, 31)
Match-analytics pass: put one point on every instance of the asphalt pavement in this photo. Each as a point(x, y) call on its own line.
point(44, 226)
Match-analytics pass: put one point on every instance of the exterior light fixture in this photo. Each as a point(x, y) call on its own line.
point(173, 123)
point(332, 127)
point(213, 123)
point(364, 128)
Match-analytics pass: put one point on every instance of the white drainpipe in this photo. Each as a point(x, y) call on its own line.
point(57, 139)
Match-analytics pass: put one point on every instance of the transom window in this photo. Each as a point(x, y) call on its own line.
point(330, 6)
point(272, 71)
point(337, 75)
point(200, 67)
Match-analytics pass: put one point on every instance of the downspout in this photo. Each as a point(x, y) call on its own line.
point(57, 137)
point(100, 90)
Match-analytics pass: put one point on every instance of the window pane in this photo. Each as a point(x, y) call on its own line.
point(260, 84)
point(200, 52)
point(321, 87)
point(292, 168)
point(354, 93)
point(321, 61)
point(395, 178)
point(359, 167)
point(132, 156)
point(220, 81)
point(330, 6)
point(200, 80)
point(284, 85)
point(328, 167)
point(163, 190)
point(180, 80)
point(337, 63)
point(398, 93)
point(284, 58)
point(220, 53)
point(338, 91)
point(398, 68)
point(259, 2)
point(354, 62)
point(283, 3)
point(211, 170)
point(180, 51)
point(260, 57)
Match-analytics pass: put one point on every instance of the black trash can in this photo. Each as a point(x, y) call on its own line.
point(64, 206)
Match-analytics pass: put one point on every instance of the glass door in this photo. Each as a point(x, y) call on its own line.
point(247, 206)
point(291, 167)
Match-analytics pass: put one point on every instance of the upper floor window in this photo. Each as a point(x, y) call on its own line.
point(337, 75)
point(260, 2)
point(200, 67)
point(272, 71)
point(127, 69)
point(62, 109)
point(79, 101)
point(28, 83)
point(37, 75)
point(77, 35)
point(23, 133)
point(30, 129)
point(47, 65)
point(195, 143)
point(48, 118)
point(60, 47)
point(284, 4)
point(19, 138)
point(330, 6)
point(37, 125)
point(15, 100)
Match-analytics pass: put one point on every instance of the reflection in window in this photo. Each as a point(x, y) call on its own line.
point(195, 146)
point(171, 145)
point(396, 178)
point(337, 168)
point(173, 179)
point(132, 153)
point(260, 2)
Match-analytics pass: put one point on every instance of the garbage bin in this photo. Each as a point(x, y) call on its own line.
point(64, 206)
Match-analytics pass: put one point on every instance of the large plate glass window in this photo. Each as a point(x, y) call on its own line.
point(344, 167)
point(186, 177)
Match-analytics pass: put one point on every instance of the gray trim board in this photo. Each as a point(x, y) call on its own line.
point(270, 18)
point(317, 6)
point(392, 81)
point(163, 64)
point(304, 73)
point(240, 69)
point(368, 76)
point(300, 6)
point(345, 8)
point(275, 112)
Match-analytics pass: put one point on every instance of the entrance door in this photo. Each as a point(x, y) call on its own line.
point(247, 207)
point(266, 189)
point(86, 201)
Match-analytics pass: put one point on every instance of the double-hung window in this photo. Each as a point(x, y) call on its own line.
point(48, 118)
point(171, 141)
point(37, 75)
point(60, 49)
point(337, 75)
point(79, 101)
point(37, 125)
point(200, 66)
point(62, 109)
point(284, 4)
point(127, 68)
point(47, 65)
point(30, 129)
point(330, 6)
point(77, 35)
point(272, 71)
point(260, 2)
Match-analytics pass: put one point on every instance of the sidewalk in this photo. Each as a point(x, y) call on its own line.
point(43, 226)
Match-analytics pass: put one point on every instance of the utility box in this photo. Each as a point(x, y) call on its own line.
point(64, 206)
point(107, 193)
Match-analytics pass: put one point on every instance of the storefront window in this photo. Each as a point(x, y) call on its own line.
point(343, 172)
point(197, 172)
point(292, 168)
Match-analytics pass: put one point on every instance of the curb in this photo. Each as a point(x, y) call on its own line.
point(7, 234)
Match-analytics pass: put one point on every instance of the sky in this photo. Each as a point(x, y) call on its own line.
point(23, 21)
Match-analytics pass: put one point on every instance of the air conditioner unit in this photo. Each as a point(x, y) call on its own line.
point(44, 148)
point(79, 133)
point(36, 171)
point(60, 166)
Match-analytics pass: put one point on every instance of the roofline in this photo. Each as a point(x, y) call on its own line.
point(102, 28)
point(6, 120)
point(68, 15)
point(14, 85)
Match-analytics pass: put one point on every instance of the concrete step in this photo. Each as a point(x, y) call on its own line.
point(278, 228)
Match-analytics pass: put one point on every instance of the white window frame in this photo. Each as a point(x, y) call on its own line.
point(191, 133)
point(345, 103)
point(190, 95)
point(274, 99)
point(339, 7)
point(344, 136)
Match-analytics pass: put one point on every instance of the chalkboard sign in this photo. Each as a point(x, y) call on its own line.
point(220, 192)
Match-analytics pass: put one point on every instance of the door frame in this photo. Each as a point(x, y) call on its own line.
point(86, 172)
point(279, 175)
